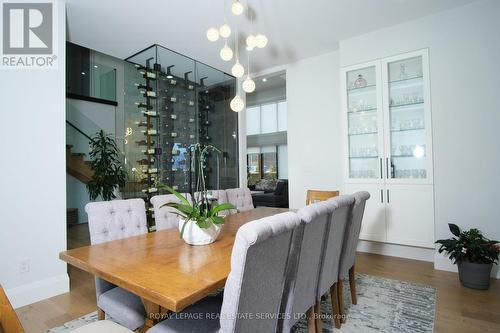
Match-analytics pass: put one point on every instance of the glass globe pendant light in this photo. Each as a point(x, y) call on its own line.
point(248, 85)
point(225, 30)
point(237, 104)
point(251, 42)
point(260, 41)
point(213, 34)
point(237, 8)
point(237, 70)
point(226, 53)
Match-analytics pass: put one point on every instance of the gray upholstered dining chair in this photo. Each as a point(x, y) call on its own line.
point(241, 198)
point(112, 220)
point(219, 195)
point(254, 285)
point(341, 208)
point(165, 217)
point(348, 255)
point(300, 293)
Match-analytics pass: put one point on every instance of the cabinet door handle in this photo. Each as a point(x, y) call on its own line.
point(388, 200)
point(382, 196)
point(387, 166)
point(381, 167)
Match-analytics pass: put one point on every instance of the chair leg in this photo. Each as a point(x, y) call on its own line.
point(100, 314)
point(340, 293)
point(317, 316)
point(335, 306)
point(352, 285)
point(310, 320)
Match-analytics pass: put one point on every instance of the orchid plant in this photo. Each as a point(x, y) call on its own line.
point(201, 210)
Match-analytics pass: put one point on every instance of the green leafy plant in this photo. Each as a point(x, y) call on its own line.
point(201, 211)
point(470, 246)
point(107, 166)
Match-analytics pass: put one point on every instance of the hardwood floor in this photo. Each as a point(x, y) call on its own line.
point(458, 309)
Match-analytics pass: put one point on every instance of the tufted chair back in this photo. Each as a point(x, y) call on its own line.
point(351, 237)
point(221, 197)
point(304, 268)
point(341, 208)
point(165, 217)
point(256, 281)
point(241, 198)
point(110, 220)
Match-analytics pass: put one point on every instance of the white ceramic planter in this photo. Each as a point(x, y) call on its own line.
point(195, 235)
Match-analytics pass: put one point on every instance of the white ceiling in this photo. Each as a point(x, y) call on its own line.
point(296, 29)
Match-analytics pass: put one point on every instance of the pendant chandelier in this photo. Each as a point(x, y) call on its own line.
point(226, 53)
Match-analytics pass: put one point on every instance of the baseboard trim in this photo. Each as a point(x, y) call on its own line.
point(37, 291)
point(443, 263)
point(394, 250)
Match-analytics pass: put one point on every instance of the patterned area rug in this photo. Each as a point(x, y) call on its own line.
point(384, 306)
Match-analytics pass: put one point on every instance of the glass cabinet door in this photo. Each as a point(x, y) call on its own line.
point(363, 123)
point(407, 129)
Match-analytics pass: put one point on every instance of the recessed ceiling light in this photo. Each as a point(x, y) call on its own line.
point(83, 73)
point(95, 66)
point(264, 79)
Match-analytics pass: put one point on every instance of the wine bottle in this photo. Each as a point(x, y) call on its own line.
point(150, 113)
point(146, 161)
point(173, 116)
point(143, 124)
point(142, 86)
point(173, 99)
point(191, 103)
point(150, 151)
point(149, 93)
point(142, 105)
point(150, 132)
point(144, 143)
point(173, 134)
point(149, 75)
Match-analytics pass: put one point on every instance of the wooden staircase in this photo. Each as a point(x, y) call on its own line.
point(77, 166)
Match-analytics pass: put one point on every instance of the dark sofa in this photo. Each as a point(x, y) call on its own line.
point(277, 198)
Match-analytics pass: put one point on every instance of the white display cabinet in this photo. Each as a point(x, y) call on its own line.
point(388, 146)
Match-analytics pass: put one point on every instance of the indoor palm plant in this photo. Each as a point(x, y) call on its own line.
point(107, 167)
point(199, 223)
point(473, 253)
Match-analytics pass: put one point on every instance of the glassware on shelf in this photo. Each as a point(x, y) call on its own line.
point(360, 82)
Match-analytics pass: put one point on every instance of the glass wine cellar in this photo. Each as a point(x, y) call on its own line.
point(173, 102)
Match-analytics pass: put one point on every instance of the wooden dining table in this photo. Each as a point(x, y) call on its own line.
point(165, 272)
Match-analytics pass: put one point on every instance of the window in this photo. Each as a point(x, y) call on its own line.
point(253, 120)
point(267, 118)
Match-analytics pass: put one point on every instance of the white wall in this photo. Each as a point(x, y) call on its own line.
point(32, 193)
point(314, 123)
point(464, 47)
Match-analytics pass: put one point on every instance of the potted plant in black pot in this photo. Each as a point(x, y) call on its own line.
point(473, 253)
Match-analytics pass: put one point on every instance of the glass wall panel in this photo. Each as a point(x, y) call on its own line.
point(172, 103)
point(362, 123)
point(407, 119)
